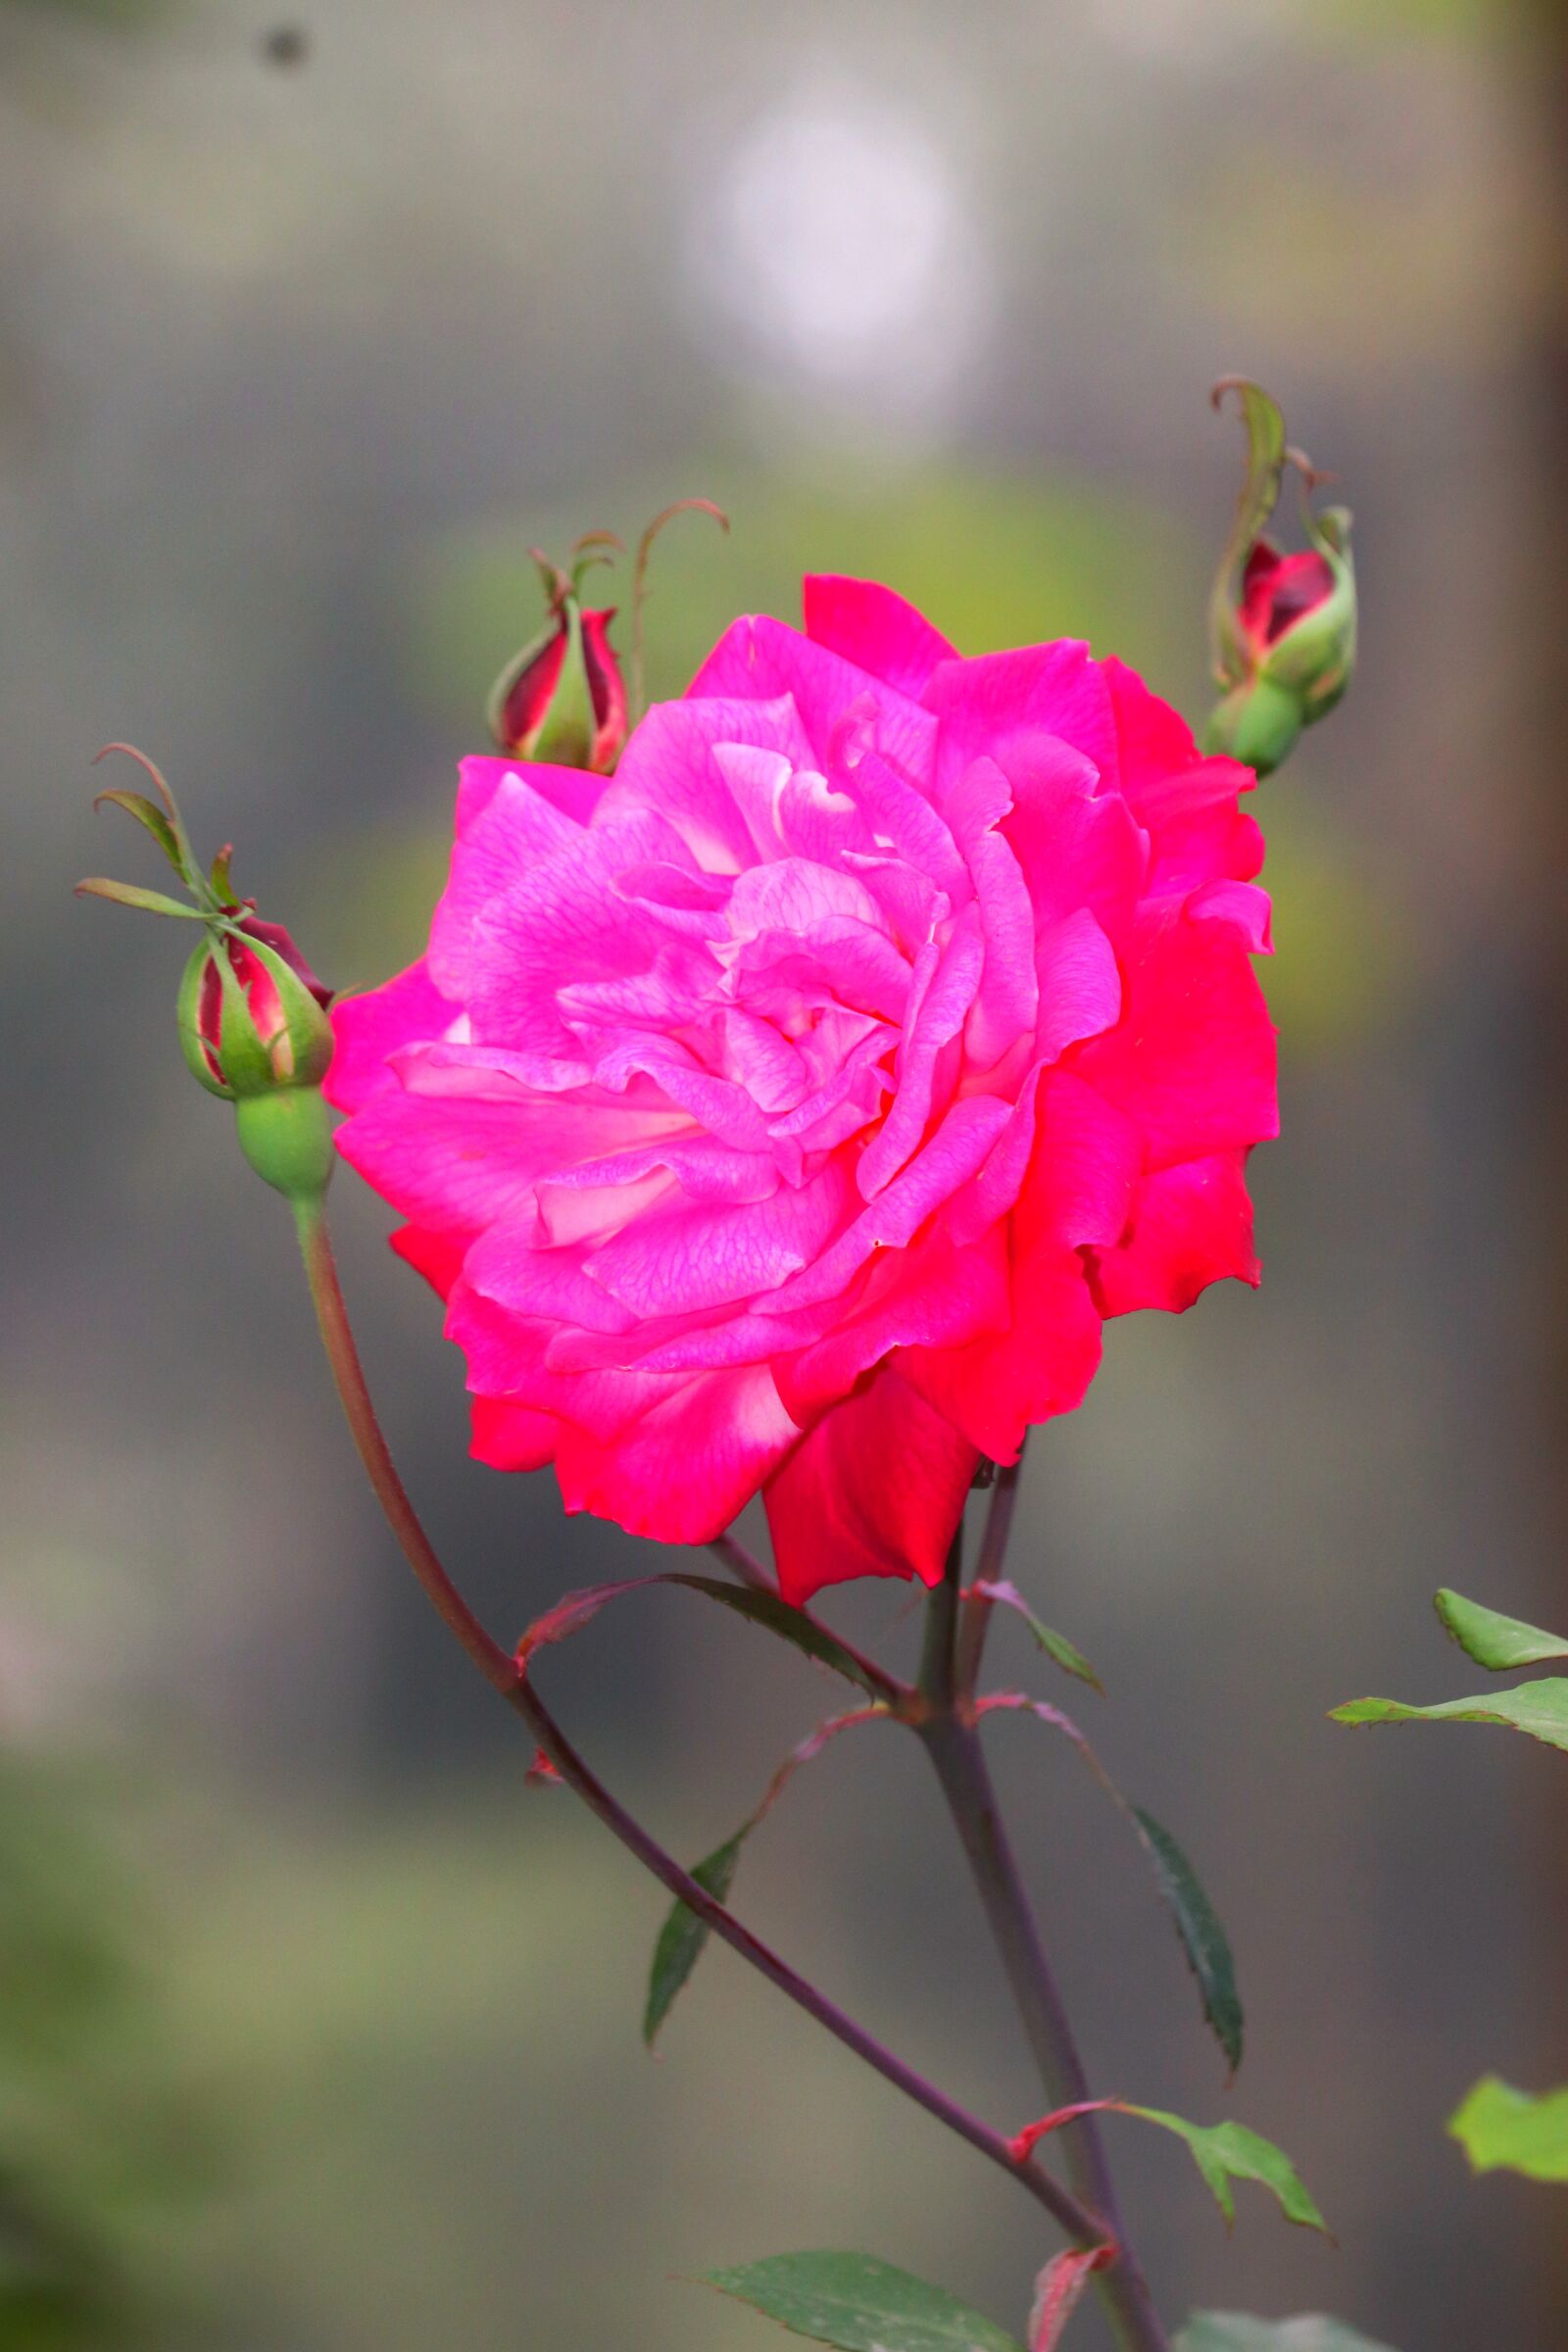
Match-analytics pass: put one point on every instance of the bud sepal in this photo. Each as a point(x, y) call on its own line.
point(251, 1015)
point(562, 698)
point(1282, 627)
point(287, 1138)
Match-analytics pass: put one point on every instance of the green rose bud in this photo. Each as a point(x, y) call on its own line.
point(1282, 627)
point(251, 1015)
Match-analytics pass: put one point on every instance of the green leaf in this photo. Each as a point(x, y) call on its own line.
point(1203, 1939)
point(859, 2304)
point(790, 1624)
point(1056, 1646)
point(1539, 1708)
point(1226, 2152)
point(1234, 2332)
point(766, 1609)
point(683, 1934)
point(1493, 1641)
point(127, 894)
point(1501, 2129)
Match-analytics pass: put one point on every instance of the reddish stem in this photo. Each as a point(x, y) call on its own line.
point(504, 1675)
point(951, 1737)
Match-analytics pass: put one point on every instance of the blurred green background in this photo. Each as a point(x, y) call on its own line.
point(317, 2027)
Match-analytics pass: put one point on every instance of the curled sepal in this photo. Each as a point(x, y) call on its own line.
point(859, 2304)
point(129, 894)
point(591, 548)
point(161, 818)
point(639, 582)
point(148, 814)
point(1259, 496)
point(1222, 2152)
point(1282, 627)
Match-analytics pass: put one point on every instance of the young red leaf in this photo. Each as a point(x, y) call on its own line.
point(1059, 2290)
point(1025, 2143)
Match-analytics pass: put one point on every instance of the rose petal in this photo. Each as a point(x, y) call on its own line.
point(366, 1029)
point(983, 705)
point(1191, 1060)
point(875, 629)
point(689, 1465)
point(1191, 1225)
point(759, 659)
point(877, 1488)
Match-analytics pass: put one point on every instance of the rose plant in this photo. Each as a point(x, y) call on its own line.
point(793, 1084)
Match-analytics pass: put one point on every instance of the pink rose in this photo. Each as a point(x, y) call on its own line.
point(789, 1112)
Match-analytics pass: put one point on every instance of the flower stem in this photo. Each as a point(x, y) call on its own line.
point(974, 1617)
point(1082, 2224)
point(742, 1564)
point(951, 1738)
point(938, 1658)
point(955, 1748)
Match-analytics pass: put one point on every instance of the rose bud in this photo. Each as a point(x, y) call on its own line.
point(253, 1027)
point(251, 1015)
point(252, 1012)
point(1282, 626)
point(562, 699)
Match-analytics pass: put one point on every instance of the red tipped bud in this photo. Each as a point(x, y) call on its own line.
point(253, 1028)
point(1282, 626)
point(252, 1012)
point(562, 699)
point(251, 1015)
